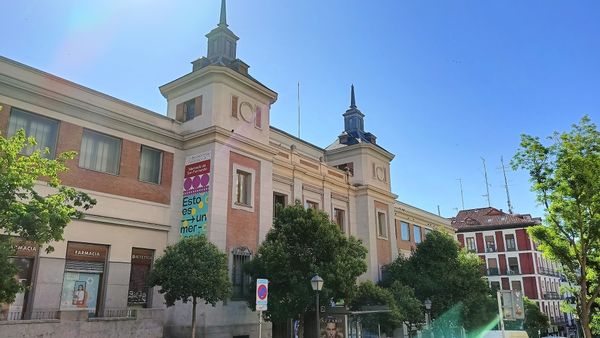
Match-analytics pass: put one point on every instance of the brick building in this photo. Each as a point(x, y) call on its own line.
point(512, 260)
point(211, 164)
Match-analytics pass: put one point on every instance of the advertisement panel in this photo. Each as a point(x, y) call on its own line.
point(194, 208)
point(80, 291)
point(332, 326)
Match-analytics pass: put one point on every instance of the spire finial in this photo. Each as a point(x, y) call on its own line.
point(223, 19)
point(352, 99)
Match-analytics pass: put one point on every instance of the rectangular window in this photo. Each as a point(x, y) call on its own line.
point(279, 201)
point(312, 205)
point(239, 279)
point(192, 108)
point(513, 266)
point(426, 232)
point(339, 216)
point(100, 152)
point(417, 233)
point(490, 245)
point(381, 224)
point(495, 286)
point(150, 165)
point(405, 231)
point(141, 263)
point(471, 244)
point(492, 267)
point(243, 191)
point(516, 285)
point(44, 130)
point(510, 242)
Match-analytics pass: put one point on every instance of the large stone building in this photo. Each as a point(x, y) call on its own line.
point(512, 260)
point(212, 165)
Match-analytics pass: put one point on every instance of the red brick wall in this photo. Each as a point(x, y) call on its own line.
point(384, 249)
point(479, 242)
point(499, 241)
point(242, 225)
point(523, 242)
point(125, 184)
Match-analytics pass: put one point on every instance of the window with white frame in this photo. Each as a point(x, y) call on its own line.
point(43, 129)
point(381, 224)
point(150, 165)
point(510, 242)
point(243, 188)
point(471, 244)
point(100, 152)
point(490, 244)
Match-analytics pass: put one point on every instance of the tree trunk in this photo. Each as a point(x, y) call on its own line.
point(585, 322)
point(194, 317)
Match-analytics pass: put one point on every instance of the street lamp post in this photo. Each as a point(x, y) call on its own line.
point(427, 304)
point(317, 284)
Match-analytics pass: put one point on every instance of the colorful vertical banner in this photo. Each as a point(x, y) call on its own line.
point(194, 209)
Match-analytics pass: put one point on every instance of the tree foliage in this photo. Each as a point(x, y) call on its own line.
point(369, 294)
point(411, 308)
point(192, 269)
point(535, 320)
point(565, 176)
point(302, 243)
point(24, 212)
point(451, 278)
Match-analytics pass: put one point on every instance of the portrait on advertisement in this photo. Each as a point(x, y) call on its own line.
point(332, 327)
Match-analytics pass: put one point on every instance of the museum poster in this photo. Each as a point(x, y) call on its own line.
point(194, 210)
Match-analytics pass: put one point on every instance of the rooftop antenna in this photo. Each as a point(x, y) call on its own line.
point(462, 197)
point(439, 213)
point(487, 185)
point(298, 109)
point(506, 186)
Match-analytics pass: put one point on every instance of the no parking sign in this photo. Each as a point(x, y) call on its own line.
point(262, 293)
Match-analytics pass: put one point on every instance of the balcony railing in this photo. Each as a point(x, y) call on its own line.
point(492, 272)
point(512, 271)
point(490, 249)
point(35, 315)
point(549, 272)
point(552, 295)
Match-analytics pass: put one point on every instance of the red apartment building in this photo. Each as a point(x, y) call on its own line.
point(511, 259)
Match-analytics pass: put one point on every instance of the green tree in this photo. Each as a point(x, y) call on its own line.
point(302, 243)
point(450, 277)
point(565, 176)
point(192, 269)
point(411, 309)
point(535, 320)
point(26, 213)
point(369, 294)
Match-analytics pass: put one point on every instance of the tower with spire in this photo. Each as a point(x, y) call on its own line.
point(354, 125)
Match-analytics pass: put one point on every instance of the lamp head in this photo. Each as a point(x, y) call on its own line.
point(317, 283)
point(427, 304)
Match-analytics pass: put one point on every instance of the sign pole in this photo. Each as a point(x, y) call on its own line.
point(500, 313)
point(259, 324)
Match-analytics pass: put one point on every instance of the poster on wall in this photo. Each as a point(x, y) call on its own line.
point(194, 209)
point(333, 326)
point(80, 291)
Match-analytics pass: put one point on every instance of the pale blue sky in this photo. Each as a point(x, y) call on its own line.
point(442, 83)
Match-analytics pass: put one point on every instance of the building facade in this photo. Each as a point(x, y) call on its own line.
point(211, 165)
point(512, 260)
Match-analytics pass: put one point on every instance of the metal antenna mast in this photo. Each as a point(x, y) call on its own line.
point(462, 197)
point(487, 185)
point(298, 109)
point(506, 186)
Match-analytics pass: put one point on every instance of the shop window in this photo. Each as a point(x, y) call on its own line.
point(23, 260)
point(239, 279)
point(150, 165)
point(83, 277)
point(141, 264)
point(100, 152)
point(43, 129)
